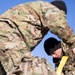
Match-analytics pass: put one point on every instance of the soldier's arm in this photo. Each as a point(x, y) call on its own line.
point(58, 25)
point(55, 20)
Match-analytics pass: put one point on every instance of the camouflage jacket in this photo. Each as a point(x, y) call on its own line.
point(69, 68)
point(23, 27)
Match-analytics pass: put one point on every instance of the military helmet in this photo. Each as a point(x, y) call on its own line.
point(51, 45)
point(60, 4)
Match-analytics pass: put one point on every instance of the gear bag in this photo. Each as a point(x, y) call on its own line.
point(33, 66)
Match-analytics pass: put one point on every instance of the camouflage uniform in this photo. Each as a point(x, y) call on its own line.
point(69, 68)
point(25, 25)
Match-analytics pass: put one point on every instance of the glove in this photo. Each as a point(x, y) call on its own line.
point(73, 50)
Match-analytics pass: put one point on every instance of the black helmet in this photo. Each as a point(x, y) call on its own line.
point(61, 5)
point(51, 44)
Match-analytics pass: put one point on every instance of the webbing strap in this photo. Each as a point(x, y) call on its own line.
point(61, 65)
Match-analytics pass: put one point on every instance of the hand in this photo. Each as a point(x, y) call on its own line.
point(73, 50)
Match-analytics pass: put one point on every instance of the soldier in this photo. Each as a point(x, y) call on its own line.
point(24, 26)
point(57, 49)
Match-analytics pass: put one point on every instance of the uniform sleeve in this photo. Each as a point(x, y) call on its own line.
point(56, 22)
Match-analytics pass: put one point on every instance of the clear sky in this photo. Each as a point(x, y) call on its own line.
point(39, 50)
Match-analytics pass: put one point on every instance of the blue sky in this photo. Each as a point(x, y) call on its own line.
point(39, 50)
